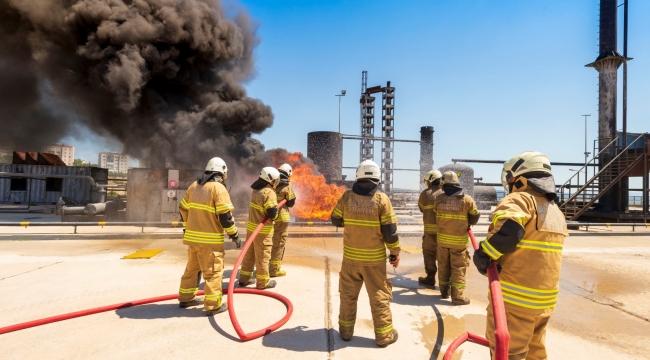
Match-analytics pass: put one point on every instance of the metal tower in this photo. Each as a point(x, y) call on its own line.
point(387, 150)
point(367, 148)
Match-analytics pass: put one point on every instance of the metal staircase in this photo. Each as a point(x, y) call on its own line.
point(573, 204)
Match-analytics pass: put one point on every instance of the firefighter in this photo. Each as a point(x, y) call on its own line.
point(525, 239)
point(283, 191)
point(263, 203)
point(455, 211)
point(370, 226)
point(429, 241)
point(207, 211)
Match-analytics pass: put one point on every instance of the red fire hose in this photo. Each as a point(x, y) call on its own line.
point(230, 291)
point(502, 338)
point(231, 306)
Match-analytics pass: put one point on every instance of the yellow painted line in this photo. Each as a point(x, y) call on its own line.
point(175, 223)
point(411, 249)
point(144, 254)
point(310, 223)
point(242, 223)
point(101, 223)
point(607, 224)
point(24, 223)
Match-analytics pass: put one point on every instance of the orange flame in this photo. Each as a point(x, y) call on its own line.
point(315, 199)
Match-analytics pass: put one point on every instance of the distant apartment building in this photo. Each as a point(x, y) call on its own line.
point(65, 152)
point(114, 162)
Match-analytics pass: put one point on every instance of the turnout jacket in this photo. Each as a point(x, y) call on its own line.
point(526, 238)
point(370, 227)
point(425, 203)
point(207, 211)
point(454, 214)
point(262, 200)
point(285, 191)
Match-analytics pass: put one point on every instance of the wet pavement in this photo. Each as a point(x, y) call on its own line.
point(602, 311)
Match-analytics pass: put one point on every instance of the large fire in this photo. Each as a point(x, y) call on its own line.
point(315, 199)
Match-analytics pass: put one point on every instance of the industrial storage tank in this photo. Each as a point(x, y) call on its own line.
point(466, 176)
point(485, 196)
point(325, 149)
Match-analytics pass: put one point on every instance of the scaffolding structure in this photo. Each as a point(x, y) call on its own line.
point(367, 146)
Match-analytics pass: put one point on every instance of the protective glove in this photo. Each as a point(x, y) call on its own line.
point(236, 240)
point(483, 261)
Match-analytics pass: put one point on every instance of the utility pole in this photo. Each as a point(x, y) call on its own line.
point(339, 96)
point(624, 143)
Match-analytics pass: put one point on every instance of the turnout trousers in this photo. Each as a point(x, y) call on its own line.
point(452, 266)
point(257, 257)
point(429, 251)
point(380, 292)
point(280, 233)
point(208, 260)
point(527, 335)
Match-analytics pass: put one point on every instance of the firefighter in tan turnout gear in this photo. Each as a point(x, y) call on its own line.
point(370, 226)
point(263, 203)
point(207, 211)
point(283, 191)
point(455, 211)
point(525, 239)
point(429, 242)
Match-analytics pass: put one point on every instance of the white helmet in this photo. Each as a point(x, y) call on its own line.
point(271, 175)
point(524, 163)
point(286, 169)
point(432, 176)
point(217, 164)
point(368, 169)
point(450, 177)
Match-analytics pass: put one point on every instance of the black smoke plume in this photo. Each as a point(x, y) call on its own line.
point(164, 77)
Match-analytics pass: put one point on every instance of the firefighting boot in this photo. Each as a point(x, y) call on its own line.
point(457, 297)
point(274, 269)
point(444, 291)
point(197, 301)
point(271, 284)
point(346, 332)
point(219, 310)
point(394, 339)
point(429, 280)
point(250, 282)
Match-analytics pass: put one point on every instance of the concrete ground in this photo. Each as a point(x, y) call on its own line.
point(602, 311)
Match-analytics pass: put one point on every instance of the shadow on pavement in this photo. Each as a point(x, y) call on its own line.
point(159, 311)
point(215, 326)
point(408, 293)
point(357, 341)
point(298, 339)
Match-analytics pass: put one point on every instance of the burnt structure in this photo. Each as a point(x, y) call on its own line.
point(426, 151)
point(607, 64)
point(325, 149)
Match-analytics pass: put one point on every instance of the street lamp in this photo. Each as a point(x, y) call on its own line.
point(339, 96)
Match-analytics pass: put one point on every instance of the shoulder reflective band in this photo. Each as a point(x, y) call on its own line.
point(518, 217)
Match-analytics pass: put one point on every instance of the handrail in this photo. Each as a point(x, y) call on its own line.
point(587, 164)
point(588, 182)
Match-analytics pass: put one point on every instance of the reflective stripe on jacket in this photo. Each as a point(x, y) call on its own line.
point(200, 209)
point(425, 203)
point(261, 200)
point(363, 242)
point(451, 219)
point(284, 192)
point(531, 273)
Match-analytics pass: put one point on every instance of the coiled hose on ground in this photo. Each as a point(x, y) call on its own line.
point(502, 338)
point(230, 291)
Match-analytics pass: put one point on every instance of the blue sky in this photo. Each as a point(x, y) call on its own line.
point(494, 78)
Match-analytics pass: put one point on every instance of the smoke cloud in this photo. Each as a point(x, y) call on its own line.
point(163, 77)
